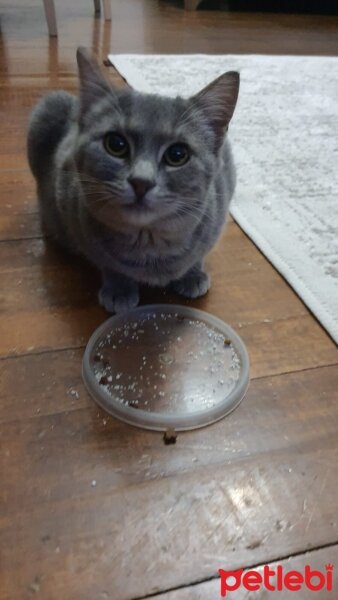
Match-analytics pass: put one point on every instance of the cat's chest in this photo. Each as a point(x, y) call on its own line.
point(147, 256)
point(152, 242)
point(143, 247)
point(142, 244)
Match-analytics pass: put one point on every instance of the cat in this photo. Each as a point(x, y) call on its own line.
point(137, 183)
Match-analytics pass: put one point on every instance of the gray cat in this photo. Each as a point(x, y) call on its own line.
point(139, 184)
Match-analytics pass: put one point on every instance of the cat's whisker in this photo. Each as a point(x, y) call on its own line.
point(103, 199)
point(88, 179)
point(198, 212)
point(98, 184)
point(198, 216)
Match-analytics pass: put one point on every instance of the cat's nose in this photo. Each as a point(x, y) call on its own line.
point(141, 186)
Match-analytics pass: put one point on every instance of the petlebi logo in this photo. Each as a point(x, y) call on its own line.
point(276, 580)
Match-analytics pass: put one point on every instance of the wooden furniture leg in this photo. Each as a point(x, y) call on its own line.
point(97, 6)
point(191, 4)
point(106, 10)
point(50, 17)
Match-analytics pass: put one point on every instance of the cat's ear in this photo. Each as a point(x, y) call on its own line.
point(218, 101)
point(93, 85)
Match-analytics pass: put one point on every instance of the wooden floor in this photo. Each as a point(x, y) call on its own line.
point(257, 487)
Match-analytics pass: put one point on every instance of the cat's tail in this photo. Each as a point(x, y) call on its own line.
point(49, 122)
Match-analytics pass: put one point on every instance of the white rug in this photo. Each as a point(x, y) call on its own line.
point(285, 141)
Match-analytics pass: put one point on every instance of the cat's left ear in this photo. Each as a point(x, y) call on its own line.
point(93, 85)
point(218, 101)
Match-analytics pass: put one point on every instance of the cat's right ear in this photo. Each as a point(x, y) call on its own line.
point(93, 85)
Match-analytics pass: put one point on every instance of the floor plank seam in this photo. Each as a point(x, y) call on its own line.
point(304, 370)
point(14, 171)
point(251, 566)
point(41, 352)
point(21, 239)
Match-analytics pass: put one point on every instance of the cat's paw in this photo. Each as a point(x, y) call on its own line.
point(118, 302)
point(193, 285)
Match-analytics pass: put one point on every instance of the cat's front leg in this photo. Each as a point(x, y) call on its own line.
point(193, 284)
point(118, 293)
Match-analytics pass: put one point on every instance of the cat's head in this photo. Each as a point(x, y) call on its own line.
point(144, 158)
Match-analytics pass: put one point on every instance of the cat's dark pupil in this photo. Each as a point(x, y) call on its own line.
point(116, 143)
point(177, 153)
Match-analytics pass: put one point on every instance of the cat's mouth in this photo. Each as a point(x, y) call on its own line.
point(138, 214)
point(137, 208)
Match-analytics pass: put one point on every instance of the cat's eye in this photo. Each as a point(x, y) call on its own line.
point(176, 155)
point(116, 145)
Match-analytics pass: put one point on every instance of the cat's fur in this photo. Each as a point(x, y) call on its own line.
point(87, 204)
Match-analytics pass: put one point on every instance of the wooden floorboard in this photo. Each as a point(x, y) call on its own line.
point(90, 507)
